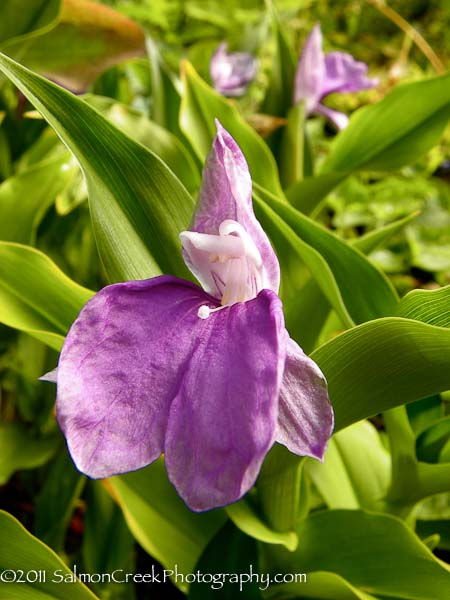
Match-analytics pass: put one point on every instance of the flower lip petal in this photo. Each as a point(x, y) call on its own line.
point(119, 366)
point(223, 419)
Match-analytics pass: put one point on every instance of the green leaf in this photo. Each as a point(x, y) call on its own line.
point(429, 306)
point(307, 193)
point(20, 450)
point(356, 469)
point(21, 552)
point(292, 146)
point(159, 519)
point(423, 413)
point(433, 440)
point(35, 296)
point(27, 19)
point(278, 99)
point(287, 244)
point(320, 585)
point(394, 132)
point(26, 197)
point(107, 542)
point(166, 99)
point(429, 527)
point(352, 274)
point(245, 517)
point(305, 314)
point(154, 137)
point(138, 206)
point(200, 106)
point(282, 492)
point(368, 242)
point(373, 552)
point(306, 310)
point(383, 137)
point(233, 553)
point(83, 41)
point(62, 487)
point(383, 364)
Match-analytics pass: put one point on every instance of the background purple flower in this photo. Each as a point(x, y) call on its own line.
point(232, 72)
point(209, 377)
point(320, 74)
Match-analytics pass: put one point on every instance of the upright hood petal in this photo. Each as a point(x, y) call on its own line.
point(310, 74)
point(223, 419)
point(226, 194)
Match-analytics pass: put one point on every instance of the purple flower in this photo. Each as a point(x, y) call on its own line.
point(232, 72)
point(209, 377)
point(320, 74)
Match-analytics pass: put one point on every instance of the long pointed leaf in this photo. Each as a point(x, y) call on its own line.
point(138, 206)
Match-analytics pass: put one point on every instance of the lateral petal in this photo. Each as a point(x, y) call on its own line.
point(345, 74)
point(226, 193)
point(305, 419)
point(120, 367)
point(223, 419)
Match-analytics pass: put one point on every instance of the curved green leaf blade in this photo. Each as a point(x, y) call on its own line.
point(278, 99)
point(248, 521)
point(83, 41)
point(19, 450)
point(306, 194)
point(154, 137)
point(353, 274)
point(285, 241)
point(55, 504)
point(26, 197)
point(373, 552)
point(429, 306)
point(383, 364)
point(35, 296)
point(318, 585)
point(26, 19)
point(356, 469)
point(22, 552)
point(138, 206)
point(385, 136)
point(200, 105)
point(394, 132)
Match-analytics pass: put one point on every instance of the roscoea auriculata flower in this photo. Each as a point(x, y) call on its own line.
point(319, 74)
point(232, 72)
point(209, 377)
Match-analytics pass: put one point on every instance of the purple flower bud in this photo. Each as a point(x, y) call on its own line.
point(232, 72)
point(320, 74)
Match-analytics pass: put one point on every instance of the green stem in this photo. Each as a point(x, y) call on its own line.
point(411, 480)
point(292, 147)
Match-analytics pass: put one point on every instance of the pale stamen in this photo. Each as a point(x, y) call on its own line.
point(235, 249)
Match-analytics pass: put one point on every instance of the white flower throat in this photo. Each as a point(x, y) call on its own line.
point(235, 263)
